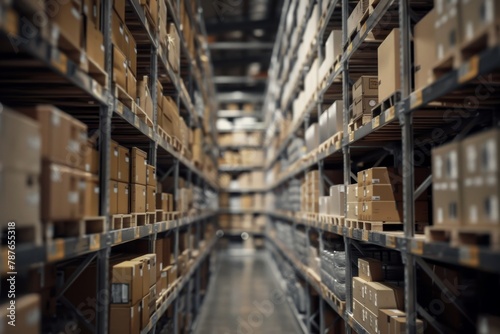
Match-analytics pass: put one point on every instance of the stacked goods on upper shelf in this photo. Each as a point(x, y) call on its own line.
point(351, 192)
point(243, 202)
point(310, 189)
point(245, 158)
point(240, 138)
point(333, 51)
point(246, 222)
point(20, 153)
point(378, 306)
point(312, 137)
point(465, 187)
point(364, 97)
point(424, 50)
point(333, 205)
point(331, 121)
point(250, 180)
point(333, 272)
point(355, 17)
point(287, 199)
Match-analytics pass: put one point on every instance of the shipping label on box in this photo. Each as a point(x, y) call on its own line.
point(126, 283)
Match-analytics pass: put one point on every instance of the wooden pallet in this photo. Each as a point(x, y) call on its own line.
point(97, 73)
point(139, 218)
point(143, 116)
point(160, 216)
point(163, 134)
point(358, 122)
point(336, 139)
point(487, 37)
point(464, 236)
point(177, 144)
point(386, 104)
point(350, 223)
point(27, 234)
point(449, 63)
point(122, 96)
point(328, 294)
point(335, 220)
point(151, 217)
point(121, 221)
point(74, 228)
point(378, 226)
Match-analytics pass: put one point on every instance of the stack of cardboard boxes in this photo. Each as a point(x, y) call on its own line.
point(378, 306)
point(245, 157)
point(309, 192)
point(351, 192)
point(465, 183)
point(356, 15)
point(333, 205)
point(364, 97)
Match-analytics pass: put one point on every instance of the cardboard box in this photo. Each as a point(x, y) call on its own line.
point(363, 106)
point(70, 23)
point(379, 192)
point(370, 269)
point(384, 319)
point(27, 315)
point(336, 117)
point(173, 47)
point(91, 201)
point(159, 249)
point(131, 52)
point(117, 31)
point(312, 137)
point(144, 97)
point(424, 50)
point(113, 197)
point(383, 296)
point(359, 312)
point(377, 175)
point(119, 8)
point(119, 68)
point(131, 85)
point(387, 211)
point(162, 202)
point(164, 279)
point(123, 198)
point(365, 86)
point(389, 69)
point(92, 11)
point(20, 142)
point(115, 161)
point(359, 289)
point(371, 322)
point(137, 198)
point(64, 139)
point(125, 320)
point(352, 193)
point(337, 194)
point(446, 186)
point(94, 44)
point(398, 325)
point(91, 159)
point(151, 199)
point(150, 176)
point(480, 161)
point(447, 29)
point(477, 17)
point(145, 265)
point(146, 310)
point(123, 164)
point(352, 210)
point(139, 163)
point(127, 283)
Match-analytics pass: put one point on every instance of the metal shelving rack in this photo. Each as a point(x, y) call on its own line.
point(110, 118)
point(402, 125)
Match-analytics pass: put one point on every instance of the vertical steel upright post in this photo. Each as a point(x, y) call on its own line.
point(408, 181)
point(105, 112)
point(347, 157)
point(153, 75)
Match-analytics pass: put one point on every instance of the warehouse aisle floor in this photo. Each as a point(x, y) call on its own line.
point(245, 299)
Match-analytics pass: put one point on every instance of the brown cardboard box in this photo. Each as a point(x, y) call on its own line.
point(94, 44)
point(364, 105)
point(151, 261)
point(365, 86)
point(389, 73)
point(151, 176)
point(64, 139)
point(171, 203)
point(352, 193)
point(27, 315)
point(115, 161)
point(446, 186)
point(387, 211)
point(162, 202)
point(144, 97)
point(70, 23)
point(352, 210)
point(19, 197)
point(91, 206)
point(123, 198)
point(127, 283)
point(447, 29)
point(119, 68)
point(383, 296)
point(163, 279)
point(379, 192)
point(119, 7)
point(91, 10)
point(131, 85)
point(91, 159)
point(125, 320)
point(146, 310)
point(398, 326)
point(20, 142)
point(377, 175)
point(358, 288)
point(384, 319)
point(424, 50)
point(480, 173)
point(137, 198)
point(145, 270)
point(370, 269)
point(159, 248)
point(371, 322)
point(123, 164)
point(359, 312)
point(477, 17)
point(139, 162)
point(118, 32)
point(151, 199)
point(60, 198)
point(131, 51)
point(113, 197)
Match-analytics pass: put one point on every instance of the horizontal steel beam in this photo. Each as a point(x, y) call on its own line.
point(240, 46)
point(233, 80)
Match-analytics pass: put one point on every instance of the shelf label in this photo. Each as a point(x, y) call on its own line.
point(351, 137)
point(469, 70)
point(375, 122)
point(469, 256)
point(95, 242)
point(417, 247)
point(119, 107)
point(365, 235)
point(389, 114)
point(118, 237)
point(59, 61)
point(416, 99)
point(55, 250)
point(137, 233)
point(390, 241)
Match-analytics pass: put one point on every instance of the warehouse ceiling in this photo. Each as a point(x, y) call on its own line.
point(241, 36)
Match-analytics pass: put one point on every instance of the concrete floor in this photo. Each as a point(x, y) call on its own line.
point(245, 299)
